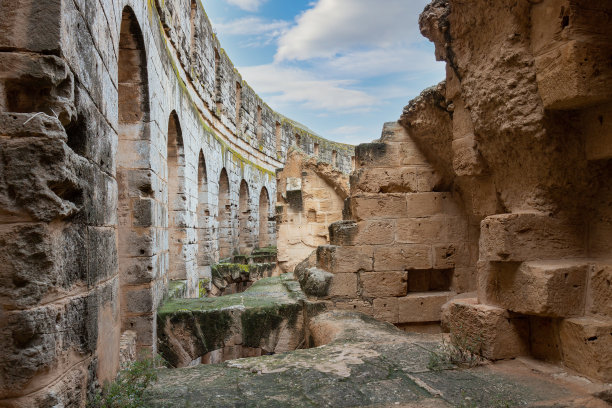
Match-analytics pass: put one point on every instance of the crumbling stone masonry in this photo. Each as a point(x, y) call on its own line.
point(132, 155)
point(310, 196)
point(496, 188)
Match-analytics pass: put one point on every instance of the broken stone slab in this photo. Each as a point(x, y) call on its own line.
point(267, 315)
point(487, 330)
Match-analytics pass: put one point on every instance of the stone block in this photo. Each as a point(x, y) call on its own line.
point(342, 232)
point(383, 284)
point(376, 232)
point(583, 84)
point(343, 285)
point(599, 296)
point(430, 203)
point(487, 329)
point(422, 307)
point(337, 259)
point(432, 230)
point(402, 257)
point(384, 180)
point(375, 206)
point(17, 30)
point(543, 288)
point(377, 155)
point(450, 256)
point(529, 236)
point(586, 343)
point(386, 309)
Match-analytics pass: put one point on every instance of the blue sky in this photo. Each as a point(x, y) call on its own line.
point(340, 67)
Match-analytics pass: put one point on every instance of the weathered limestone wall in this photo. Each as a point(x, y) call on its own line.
point(496, 185)
point(528, 93)
point(310, 197)
point(125, 137)
point(405, 246)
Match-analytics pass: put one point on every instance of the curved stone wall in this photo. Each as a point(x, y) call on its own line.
point(125, 136)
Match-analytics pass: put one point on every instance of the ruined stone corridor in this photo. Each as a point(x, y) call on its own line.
point(153, 205)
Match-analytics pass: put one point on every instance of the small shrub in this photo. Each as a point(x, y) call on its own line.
point(129, 386)
point(462, 350)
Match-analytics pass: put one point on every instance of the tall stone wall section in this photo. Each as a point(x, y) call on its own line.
point(310, 197)
point(528, 99)
point(496, 184)
point(120, 124)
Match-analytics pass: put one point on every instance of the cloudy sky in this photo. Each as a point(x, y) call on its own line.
point(340, 67)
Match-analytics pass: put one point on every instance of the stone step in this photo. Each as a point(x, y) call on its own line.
point(541, 288)
point(489, 330)
point(422, 307)
point(404, 179)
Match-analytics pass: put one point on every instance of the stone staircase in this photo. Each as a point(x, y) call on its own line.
point(403, 249)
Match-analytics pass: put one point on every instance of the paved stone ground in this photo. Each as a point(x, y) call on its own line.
point(368, 364)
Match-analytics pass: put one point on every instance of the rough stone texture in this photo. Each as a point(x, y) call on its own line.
point(530, 161)
point(311, 196)
point(489, 330)
point(360, 362)
point(126, 164)
point(405, 244)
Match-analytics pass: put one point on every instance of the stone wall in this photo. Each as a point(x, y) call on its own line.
point(405, 246)
point(495, 186)
point(528, 93)
point(125, 136)
point(310, 197)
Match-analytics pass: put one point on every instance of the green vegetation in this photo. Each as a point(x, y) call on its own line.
point(128, 388)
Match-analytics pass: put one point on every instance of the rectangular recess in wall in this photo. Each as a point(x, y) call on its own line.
point(335, 158)
point(217, 83)
point(238, 103)
point(259, 130)
point(278, 133)
point(316, 149)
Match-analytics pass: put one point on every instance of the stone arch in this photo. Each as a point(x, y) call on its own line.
point(134, 181)
point(224, 233)
point(205, 255)
point(264, 214)
point(245, 243)
point(177, 200)
point(192, 25)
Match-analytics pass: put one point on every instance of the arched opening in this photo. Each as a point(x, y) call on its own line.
point(205, 252)
point(264, 214)
point(278, 133)
point(224, 217)
point(245, 243)
point(177, 200)
point(192, 21)
point(137, 269)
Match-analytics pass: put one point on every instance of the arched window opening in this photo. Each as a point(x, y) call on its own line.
point(244, 214)
point(224, 232)
point(264, 215)
point(133, 115)
point(205, 245)
point(177, 200)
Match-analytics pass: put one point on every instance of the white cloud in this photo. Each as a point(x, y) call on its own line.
point(285, 86)
point(346, 130)
point(248, 5)
point(332, 27)
point(252, 26)
point(400, 58)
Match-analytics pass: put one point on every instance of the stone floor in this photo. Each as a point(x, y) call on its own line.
point(367, 363)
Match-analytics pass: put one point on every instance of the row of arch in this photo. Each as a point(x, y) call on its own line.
point(153, 204)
